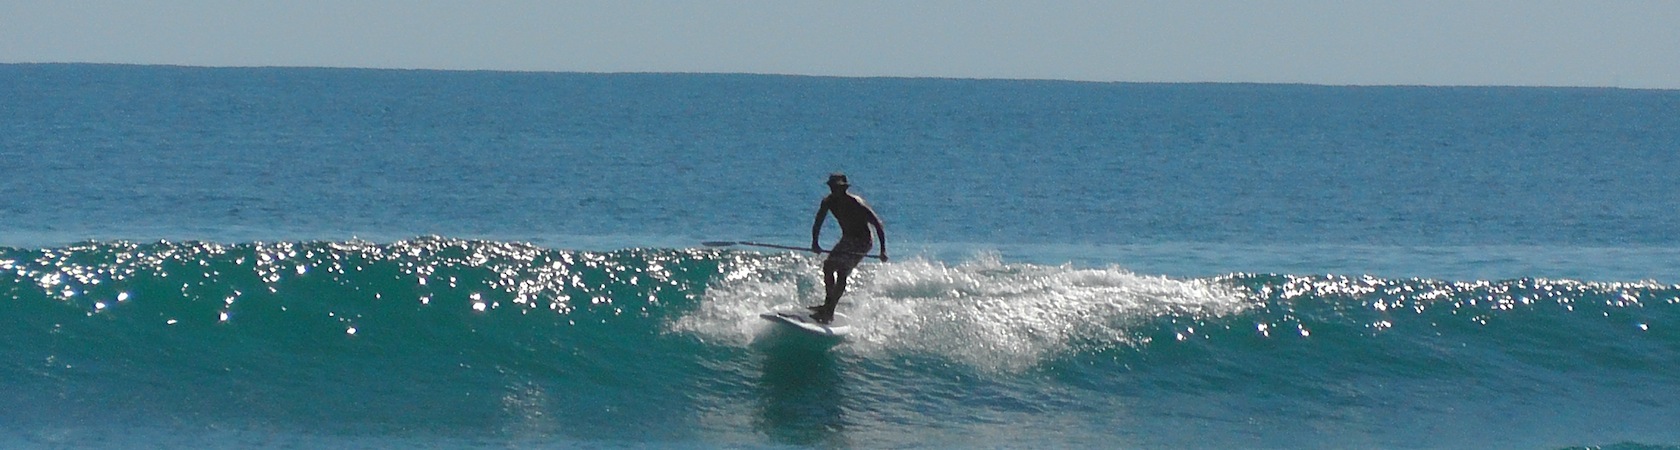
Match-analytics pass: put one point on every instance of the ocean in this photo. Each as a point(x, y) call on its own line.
point(355, 258)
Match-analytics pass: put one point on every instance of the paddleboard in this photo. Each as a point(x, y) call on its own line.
point(801, 320)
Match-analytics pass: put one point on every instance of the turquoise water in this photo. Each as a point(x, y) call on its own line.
point(361, 258)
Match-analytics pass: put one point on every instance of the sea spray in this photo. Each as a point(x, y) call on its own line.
point(981, 312)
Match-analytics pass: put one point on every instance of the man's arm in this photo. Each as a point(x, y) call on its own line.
point(880, 231)
point(816, 226)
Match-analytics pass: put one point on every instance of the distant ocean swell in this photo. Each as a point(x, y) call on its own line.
point(523, 340)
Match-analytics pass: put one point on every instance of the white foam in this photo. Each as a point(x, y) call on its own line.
point(982, 312)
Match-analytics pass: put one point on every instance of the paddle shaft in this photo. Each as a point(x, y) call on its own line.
point(784, 247)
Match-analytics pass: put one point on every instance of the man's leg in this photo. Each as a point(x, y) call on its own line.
point(834, 284)
point(836, 269)
point(817, 312)
point(828, 269)
point(839, 290)
point(828, 284)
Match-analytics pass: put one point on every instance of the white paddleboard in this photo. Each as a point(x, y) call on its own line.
point(801, 319)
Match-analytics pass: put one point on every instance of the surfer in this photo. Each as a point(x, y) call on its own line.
point(855, 217)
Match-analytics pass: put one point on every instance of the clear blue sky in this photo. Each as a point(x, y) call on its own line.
point(1466, 42)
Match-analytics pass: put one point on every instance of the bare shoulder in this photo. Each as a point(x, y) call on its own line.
point(862, 203)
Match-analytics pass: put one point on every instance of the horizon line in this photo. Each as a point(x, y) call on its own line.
point(838, 76)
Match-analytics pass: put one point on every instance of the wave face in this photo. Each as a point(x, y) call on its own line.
point(482, 343)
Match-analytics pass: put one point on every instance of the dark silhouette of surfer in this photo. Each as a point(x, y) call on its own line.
point(855, 217)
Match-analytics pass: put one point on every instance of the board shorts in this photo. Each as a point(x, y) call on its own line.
point(848, 253)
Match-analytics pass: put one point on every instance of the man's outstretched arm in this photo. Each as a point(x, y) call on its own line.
point(816, 226)
point(880, 232)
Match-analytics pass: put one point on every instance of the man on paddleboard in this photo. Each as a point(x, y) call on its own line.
point(855, 218)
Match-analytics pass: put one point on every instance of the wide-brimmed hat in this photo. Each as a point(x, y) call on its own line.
point(837, 179)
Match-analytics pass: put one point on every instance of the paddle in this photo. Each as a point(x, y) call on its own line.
point(784, 247)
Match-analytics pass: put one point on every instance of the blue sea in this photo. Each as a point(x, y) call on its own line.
point(352, 258)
